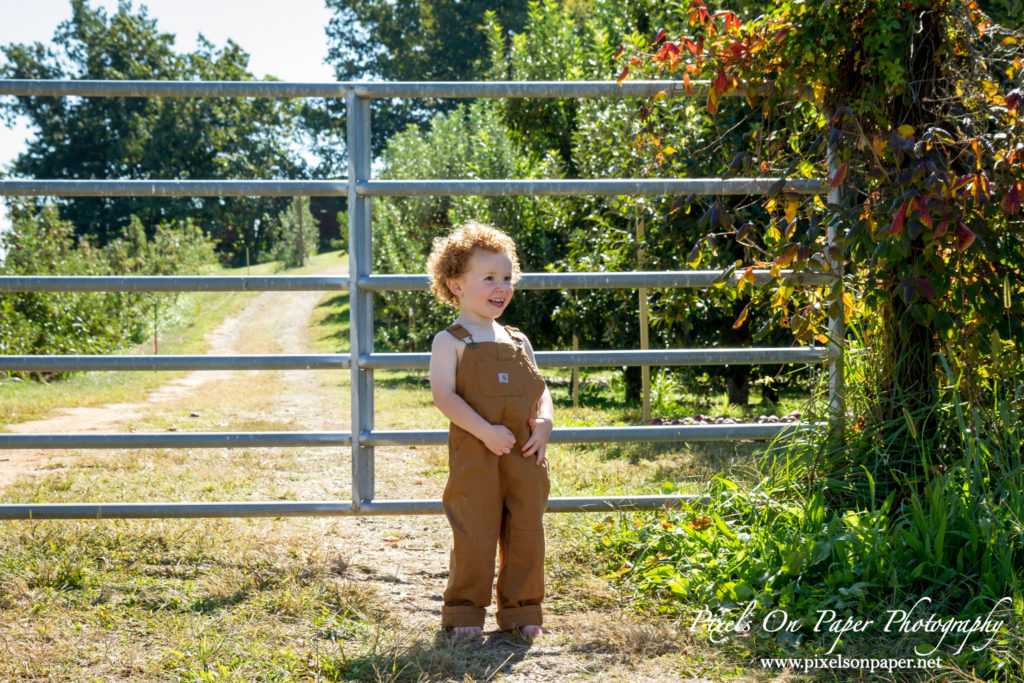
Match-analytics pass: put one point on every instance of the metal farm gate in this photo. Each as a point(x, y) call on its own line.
point(361, 188)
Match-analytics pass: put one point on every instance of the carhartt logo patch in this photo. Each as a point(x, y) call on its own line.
point(503, 377)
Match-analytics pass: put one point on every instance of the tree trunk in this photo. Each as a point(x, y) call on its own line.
point(634, 384)
point(737, 384)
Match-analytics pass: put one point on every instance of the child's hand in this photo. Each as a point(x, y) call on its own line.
point(540, 432)
point(499, 439)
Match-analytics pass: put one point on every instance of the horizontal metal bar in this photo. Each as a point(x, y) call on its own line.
point(174, 188)
point(651, 279)
point(171, 362)
point(726, 432)
point(172, 283)
point(568, 504)
point(376, 283)
point(453, 89)
point(406, 188)
point(176, 440)
point(94, 88)
point(174, 510)
point(595, 359)
point(514, 89)
point(327, 508)
point(586, 187)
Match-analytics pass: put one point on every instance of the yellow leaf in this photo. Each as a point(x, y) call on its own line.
point(773, 234)
point(742, 317)
point(879, 145)
point(819, 93)
point(791, 208)
point(817, 202)
point(906, 130)
point(748, 275)
point(774, 271)
point(790, 231)
point(770, 205)
point(669, 150)
point(848, 304)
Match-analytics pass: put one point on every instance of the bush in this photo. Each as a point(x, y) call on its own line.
point(470, 142)
point(298, 236)
point(87, 323)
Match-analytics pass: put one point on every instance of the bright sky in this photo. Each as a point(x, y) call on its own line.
point(285, 38)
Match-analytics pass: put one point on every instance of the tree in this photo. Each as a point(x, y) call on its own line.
point(920, 103)
point(407, 40)
point(298, 237)
point(141, 138)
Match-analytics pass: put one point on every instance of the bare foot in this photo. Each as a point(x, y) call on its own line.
point(468, 631)
point(531, 630)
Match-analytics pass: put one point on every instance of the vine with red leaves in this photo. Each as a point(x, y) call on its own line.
point(920, 101)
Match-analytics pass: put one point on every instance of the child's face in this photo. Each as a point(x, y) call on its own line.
point(485, 288)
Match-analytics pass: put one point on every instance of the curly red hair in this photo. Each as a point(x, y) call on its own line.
point(450, 255)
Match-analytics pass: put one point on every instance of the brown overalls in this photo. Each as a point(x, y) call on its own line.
point(493, 500)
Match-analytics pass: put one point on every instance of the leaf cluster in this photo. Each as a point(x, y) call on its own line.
point(149, 138)
point(911, 112)
point(41, 243)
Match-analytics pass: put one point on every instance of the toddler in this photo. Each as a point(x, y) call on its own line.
point(484, 378)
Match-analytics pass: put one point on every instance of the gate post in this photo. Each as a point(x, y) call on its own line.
point(837, 322)
point(360, 264)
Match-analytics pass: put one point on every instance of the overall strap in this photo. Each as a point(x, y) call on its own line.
point(517, 336)
point(461, 333)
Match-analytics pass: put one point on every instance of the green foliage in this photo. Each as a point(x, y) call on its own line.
point(920, 103)
point(408, 40)
point(87, 323)
point(143, 138)
point(956, 543)
point(579, 42)
point(469, 142)
point(297, 237)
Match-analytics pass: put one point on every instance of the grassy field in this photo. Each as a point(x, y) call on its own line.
point(316, 598)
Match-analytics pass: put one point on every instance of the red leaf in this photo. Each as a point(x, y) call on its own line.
point(1013, 101)
point(942, 227)
point(838, 176)
point(721, 82)
point(690, 45)
point(622, 76)
point(669, 52)
point(657, 38)
point(618, 53)
point(899, 219)
point(926, 218)
point(924, 288)
point(687, 85)
point(964, 236)
point(1011, 200)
